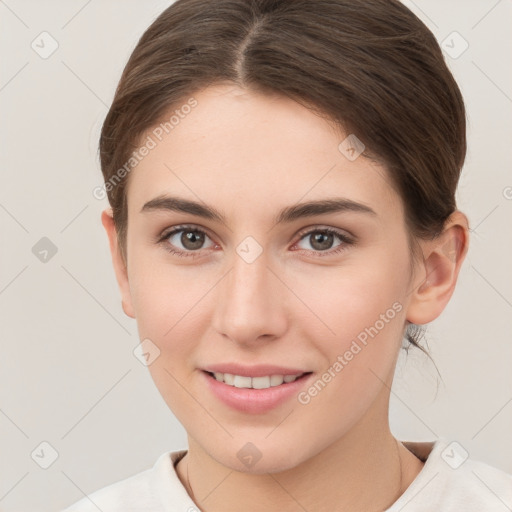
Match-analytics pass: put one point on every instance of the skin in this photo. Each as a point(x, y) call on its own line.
point(249, 155)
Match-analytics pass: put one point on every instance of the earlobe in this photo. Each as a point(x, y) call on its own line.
point(438, 273)
point(118, 262)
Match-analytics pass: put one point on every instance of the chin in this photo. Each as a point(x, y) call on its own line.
point(251, 460)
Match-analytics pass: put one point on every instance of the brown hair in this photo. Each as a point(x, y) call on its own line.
point(371, 66)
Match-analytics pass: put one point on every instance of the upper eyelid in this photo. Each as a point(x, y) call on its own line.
point(319, 227)
point(176, 229)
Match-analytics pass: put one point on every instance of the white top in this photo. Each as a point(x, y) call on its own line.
point(448, 482)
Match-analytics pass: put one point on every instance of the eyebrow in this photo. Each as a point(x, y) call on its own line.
point(288, 214)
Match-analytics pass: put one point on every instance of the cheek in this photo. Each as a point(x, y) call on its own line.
point(170, 312)
point(163, 293)
point(167, 302)
point(354, 297)
point(363, 307)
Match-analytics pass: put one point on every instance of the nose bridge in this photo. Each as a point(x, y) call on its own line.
point(248, 285)
point(249, 279)
point(249, 299)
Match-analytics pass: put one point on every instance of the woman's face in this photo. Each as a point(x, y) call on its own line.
point(264, 283)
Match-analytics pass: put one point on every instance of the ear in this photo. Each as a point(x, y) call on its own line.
point(118, 262)
point(436, 275)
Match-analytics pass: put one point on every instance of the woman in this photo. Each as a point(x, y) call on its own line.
point(282, 178)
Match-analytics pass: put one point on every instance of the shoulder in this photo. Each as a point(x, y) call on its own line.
point(140, 492)
point(452, 481)
point(475, 485)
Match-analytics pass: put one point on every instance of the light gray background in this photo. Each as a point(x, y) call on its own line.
point(68, 373)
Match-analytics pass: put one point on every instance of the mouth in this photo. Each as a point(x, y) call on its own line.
point(255, 389)
point(260, 382)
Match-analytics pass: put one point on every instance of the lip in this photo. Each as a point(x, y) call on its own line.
point(256, 401)
point(260, 370)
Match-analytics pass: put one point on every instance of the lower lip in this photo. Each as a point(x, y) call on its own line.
point(255, 401)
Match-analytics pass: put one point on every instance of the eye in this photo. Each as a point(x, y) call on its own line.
point(185, 241)
point(321, 240)
point(188, 241)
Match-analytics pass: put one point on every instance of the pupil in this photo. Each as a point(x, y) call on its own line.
point(192, 239)
point(326, 238)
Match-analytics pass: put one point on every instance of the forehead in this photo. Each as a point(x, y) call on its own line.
point(268, 148)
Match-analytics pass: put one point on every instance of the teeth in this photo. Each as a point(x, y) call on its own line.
point(261, 382)
point(276, 380)
point(242, 382)
point(239, 381)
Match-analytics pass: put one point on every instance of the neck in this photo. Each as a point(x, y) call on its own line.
point(355, 473)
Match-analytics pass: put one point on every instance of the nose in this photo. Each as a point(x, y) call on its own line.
point(250, 302)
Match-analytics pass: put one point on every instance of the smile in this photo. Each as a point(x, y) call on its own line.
point(264, 382)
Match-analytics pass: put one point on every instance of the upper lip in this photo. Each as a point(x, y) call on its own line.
point(260, 370)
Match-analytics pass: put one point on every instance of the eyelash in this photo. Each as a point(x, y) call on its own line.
point(194, 254)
